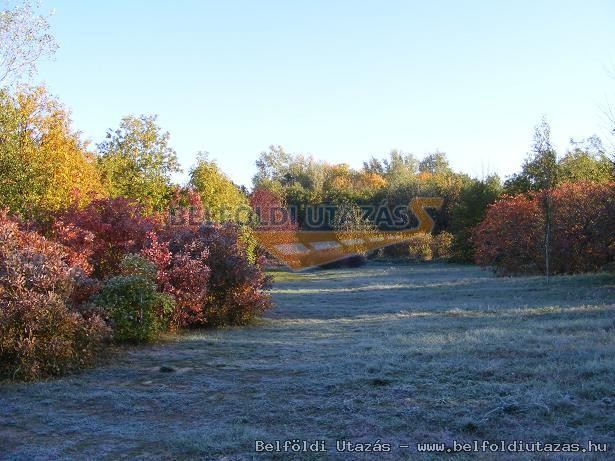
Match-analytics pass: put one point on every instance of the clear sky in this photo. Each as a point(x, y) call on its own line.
point(341, 80)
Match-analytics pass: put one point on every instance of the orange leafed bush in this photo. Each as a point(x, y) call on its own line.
point(511, 237)
point(583, 226)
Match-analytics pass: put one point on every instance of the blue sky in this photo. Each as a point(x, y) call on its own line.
point(341, 80)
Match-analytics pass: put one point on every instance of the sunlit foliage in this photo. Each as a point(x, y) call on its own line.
point(44, 164)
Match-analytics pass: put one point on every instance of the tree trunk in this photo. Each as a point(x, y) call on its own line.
point(547, 240)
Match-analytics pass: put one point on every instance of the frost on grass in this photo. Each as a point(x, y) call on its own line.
point(405, 353)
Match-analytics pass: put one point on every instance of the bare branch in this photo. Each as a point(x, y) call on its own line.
point(24, 39)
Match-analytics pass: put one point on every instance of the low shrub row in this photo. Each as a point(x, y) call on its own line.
point(425, 247)
point(107, 272)
point(421, 247)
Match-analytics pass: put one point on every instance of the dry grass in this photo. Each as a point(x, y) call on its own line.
point(402, 354)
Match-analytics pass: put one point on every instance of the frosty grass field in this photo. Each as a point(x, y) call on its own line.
point(400, 354)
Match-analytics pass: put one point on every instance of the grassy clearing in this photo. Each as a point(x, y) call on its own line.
point(398, 353)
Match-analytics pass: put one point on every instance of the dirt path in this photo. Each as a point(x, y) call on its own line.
point(432, 353)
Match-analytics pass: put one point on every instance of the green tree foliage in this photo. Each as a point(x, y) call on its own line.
point(540, 169)
point(273, 165)
point(300, 180)
point(475, 197)
point(290, 170)
point(398, 168)
point(220, 197)
point(137, 162)
point(586, 161)
point(435, 163)
point(373, 165)
point(433, 177)
point(394, 179)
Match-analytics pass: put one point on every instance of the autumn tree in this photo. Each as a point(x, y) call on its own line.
point(370, 182)
point(44, 164)
point(104, 232)
point(338, 186)
point(137, 162)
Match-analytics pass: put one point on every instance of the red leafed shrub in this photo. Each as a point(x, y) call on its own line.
point(208, 271)
point(236, 286)
point(583, 227)
point(79, 244)
point(511, 237)
point(184, 274)
point(42, 332)
point(103, 232)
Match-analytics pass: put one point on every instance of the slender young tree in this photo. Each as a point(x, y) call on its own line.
point(540, 173)
point(543, 175)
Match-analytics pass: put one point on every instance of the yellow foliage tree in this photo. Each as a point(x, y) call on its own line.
point(44, 164)
point(340, 182)
point(372, 181)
